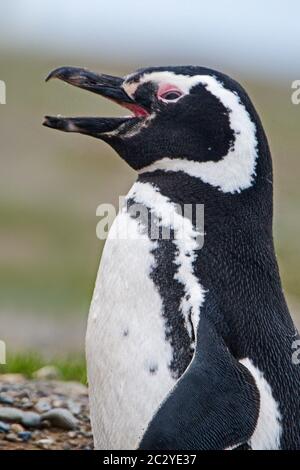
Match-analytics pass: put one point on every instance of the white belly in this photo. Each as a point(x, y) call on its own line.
point(127, 353)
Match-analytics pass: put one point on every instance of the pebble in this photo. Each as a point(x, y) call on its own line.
point(24, 406)
point(26, 403)
point(11, 437)
point(42, 405)
point(31, 419)
point(61, 418)
point(12, 415)
point(45, 443)
point(16, 428)
point(6, 399)
point(57, 403)
point(47, 373)
point(73, 442)
point(25, 436)
point(74, 407)
point(4, 427)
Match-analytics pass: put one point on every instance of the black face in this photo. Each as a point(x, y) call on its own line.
point(174, 114)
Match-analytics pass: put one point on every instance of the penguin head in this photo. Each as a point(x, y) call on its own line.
point(184, 118)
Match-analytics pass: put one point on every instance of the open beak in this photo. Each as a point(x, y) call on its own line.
point(101, 84)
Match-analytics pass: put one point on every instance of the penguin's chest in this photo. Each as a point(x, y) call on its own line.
point(128, 350)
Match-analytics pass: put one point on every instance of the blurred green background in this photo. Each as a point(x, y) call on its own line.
point(51, 183)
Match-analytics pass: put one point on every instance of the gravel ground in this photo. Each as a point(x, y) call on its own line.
point(43, 414)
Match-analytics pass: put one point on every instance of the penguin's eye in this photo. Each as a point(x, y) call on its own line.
point(168, 92)
point(171, 95)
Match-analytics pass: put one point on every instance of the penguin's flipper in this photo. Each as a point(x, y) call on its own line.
point(214, 405)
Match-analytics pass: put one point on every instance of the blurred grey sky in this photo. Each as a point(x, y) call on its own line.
point(258, 37)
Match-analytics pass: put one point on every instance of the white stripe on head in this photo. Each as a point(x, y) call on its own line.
point(236, 170)
point(184, 82)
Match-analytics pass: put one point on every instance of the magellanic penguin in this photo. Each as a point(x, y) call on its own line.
point(188, 346)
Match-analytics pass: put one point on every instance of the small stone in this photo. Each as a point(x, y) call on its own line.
point(47, 373)
point(74, 407)
point(25, 436)
point(26, 403)
point(57, 403)
point(73, 442)
point(42, 405)
point(16, 428)
point(11, 437)
point(11, 415)
point(4, 427)
point(45, 443)
point(6, 399)
point(61, 418)
point(72, 434)
point(31, 419)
